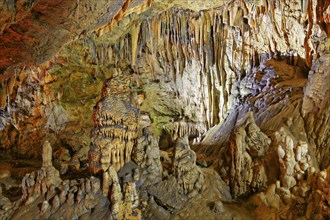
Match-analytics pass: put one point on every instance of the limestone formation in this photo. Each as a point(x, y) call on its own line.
point(246, 155)
point(66, 199)
point(190, 178)
point(75, 198)
point(315, 105)
point(63, 159)
point(47, 155)
point(293, 158)
point(147, 155)
point(116, 126)
point(217, 207)
point(209, 109)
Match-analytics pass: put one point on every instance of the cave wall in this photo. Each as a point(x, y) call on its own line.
point(248, 83)
point(218, 48)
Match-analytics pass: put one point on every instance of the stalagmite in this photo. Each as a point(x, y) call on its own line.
point(248, 145)
point(46, 155)
point(190, 178)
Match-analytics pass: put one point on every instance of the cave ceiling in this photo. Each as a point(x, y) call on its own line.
point(155, 109)
point(32, 31)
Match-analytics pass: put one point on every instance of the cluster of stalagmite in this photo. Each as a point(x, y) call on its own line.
point(67, 199)
point(57, 198)
point(116, 126)
point(301, 184)
point(36, 184)
point(189, 176)
point(46, 196)
point(303, 196)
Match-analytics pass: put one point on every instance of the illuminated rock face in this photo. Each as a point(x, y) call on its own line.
point(200, 105)
point(116, 126)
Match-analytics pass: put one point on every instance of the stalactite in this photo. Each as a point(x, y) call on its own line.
point(3, 95)
point(171, 40)
point(10, 85)
point(135, 32)
point(109, 54)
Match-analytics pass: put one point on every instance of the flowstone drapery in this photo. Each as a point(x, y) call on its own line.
point(116, 126)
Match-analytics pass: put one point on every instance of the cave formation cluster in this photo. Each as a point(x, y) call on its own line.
point(147, 109)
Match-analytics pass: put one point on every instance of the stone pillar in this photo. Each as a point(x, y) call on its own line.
point(47, 154)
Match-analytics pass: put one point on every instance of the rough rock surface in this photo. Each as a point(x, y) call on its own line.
point(30, 26)
point(46, 196)
point(246, 155)
point(147, 154)
point(242, 88)
point(116, 126)
point(188, 174)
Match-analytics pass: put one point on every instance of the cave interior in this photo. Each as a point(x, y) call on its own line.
point(149, 109)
